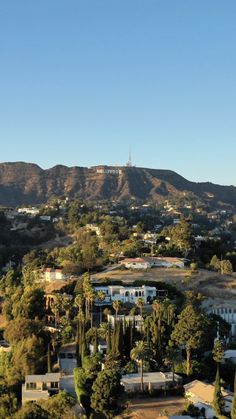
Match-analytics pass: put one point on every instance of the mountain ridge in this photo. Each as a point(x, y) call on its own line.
point(27, 183)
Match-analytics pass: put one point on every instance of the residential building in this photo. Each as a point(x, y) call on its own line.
point(226, 309)
point(40, 386)
point(125, 294)
point(67, 358)
point(152, 262)
point(201, 395)
point(151, 381)
point(4, 346)
point(136, 320)
point(29, 210)
point(51, 275)
point(230, 355)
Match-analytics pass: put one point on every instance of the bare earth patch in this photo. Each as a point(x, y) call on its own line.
point(152, 408)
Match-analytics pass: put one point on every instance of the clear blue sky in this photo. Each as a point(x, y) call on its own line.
point(82, 80)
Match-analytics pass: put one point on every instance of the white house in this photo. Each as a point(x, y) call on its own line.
point(152, 262)
point(50, 275)
point(126, 294)
point(137, 320)
point(28, 210)
point(40, 386)
point(223, 308)
point(136, 263)
point(67, 358)
point(202, 394)
point(230, 355)
point(151, 381)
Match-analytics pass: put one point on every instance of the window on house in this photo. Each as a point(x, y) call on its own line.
point(54, 384)
point(31, 386)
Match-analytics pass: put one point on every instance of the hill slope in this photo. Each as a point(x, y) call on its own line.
point(26, 183)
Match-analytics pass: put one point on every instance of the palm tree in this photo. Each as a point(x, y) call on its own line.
point(140, 305)
point(65, 301)
point(55, 307)
point(218, 352)
point(78, 303)
point(156, 306)
point(172, 355)
point(116, 305)
point(101, 297)
point(105, 333)
point(91, 298)
point(140, 353)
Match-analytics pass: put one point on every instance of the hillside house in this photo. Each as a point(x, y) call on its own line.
point(225, 309)
point(152, 262)
point(40, 386)
point(136, 320)
point(51, 275)
point(125, 294)
point(151, 381)
point(67, 358)
point(201, 395)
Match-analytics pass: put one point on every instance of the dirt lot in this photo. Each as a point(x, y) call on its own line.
point(155, 407)
point(208, 283)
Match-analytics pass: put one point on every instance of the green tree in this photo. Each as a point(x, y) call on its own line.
point(20, 329)
point(218, 352)
point(189, 331)
point(140, 353)
point(30, 305)
point(218, 399)
point(57, 406)
point(105, 389)
point(233, 405)
point(171, 357)
point(101, 297)
point(8, 401)
point(140, 305)
point(116, 305)
point(28, 355)
point(81, 387)
point(32, 410)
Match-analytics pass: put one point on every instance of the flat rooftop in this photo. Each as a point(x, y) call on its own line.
point(149, 377)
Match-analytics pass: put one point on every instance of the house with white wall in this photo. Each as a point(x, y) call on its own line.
point(125, 294)
point(38, 387)
point(226, 309)
point(51, 275)
point(136, 320)
point(201, 395)
point(151, 381)
point(148, 262)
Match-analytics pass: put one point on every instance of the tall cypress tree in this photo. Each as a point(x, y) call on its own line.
point(108, 338)
point(95, 342)
point(49, 358)
point(120, 338)
point(233, 406)
point(218, 400)
point(148, 332)
point(114, 339)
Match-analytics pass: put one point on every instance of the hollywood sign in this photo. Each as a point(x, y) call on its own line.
point(110, 171)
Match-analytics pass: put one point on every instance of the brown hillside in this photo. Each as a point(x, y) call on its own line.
point(26, 183)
